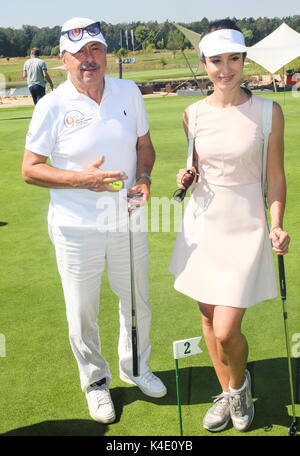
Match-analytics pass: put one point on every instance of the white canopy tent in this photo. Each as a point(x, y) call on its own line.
point(272, 53)
point(277, 49)
point(194, 38)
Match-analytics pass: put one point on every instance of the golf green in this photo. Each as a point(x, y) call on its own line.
point(40, 391)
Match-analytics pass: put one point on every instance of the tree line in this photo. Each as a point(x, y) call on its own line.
point(133, 36)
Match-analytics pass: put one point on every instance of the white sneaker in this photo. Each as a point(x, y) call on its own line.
point(101, 407)
point(218, 416)
point(148, 383)
point(241, 406)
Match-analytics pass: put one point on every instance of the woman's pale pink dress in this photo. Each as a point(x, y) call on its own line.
point(223, 254)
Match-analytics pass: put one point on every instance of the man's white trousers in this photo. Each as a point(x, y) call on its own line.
point(81, 254)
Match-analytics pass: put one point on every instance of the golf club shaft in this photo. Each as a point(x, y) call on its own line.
point(133, 308)
point(282, 284)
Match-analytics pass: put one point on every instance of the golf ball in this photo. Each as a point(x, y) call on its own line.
point(117, 185)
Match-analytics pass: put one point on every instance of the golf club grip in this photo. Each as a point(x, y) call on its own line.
point(134, 352)
point(281, 276)
point(134, 195)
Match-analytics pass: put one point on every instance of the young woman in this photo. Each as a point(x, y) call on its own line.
point(223, 255)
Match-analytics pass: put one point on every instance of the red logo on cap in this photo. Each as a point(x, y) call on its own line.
point(223, 37)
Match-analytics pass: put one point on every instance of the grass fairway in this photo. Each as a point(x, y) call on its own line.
point(40, 391)
point(148, 67)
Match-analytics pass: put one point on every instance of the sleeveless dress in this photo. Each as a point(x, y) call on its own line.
point(223, 254)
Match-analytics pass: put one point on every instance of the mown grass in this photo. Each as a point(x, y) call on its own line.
point(40, 391)
point(148, 67)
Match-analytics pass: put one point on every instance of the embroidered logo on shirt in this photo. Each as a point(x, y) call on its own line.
point(74, 119)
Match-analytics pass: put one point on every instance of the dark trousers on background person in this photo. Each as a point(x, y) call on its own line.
point(37, 92)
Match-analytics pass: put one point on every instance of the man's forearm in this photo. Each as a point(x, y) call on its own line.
point(36, 171)
point(47, 176)
point(145, 156)
point(47, 77)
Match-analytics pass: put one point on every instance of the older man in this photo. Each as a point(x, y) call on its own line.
point(95, 131)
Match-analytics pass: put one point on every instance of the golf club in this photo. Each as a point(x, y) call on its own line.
point(292, 430)
point(135, 370)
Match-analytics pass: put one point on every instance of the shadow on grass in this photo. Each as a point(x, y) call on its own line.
point(270, 389)
point(61, 428)
point(197, 385)
point(17, 118)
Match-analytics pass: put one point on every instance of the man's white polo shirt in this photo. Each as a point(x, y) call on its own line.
point(73, 131)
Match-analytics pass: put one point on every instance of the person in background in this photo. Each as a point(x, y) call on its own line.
point(35, 70)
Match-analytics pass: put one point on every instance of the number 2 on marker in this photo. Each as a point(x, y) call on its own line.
point(187, 351)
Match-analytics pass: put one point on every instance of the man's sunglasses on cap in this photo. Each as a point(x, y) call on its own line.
point(77, 33)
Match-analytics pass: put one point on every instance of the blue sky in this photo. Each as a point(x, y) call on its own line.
point(15, 13)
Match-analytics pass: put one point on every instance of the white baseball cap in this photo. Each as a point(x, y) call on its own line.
point(76, 23)
point(222, 42)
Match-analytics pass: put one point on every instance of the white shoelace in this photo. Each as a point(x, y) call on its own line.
point(237, 405)
point(149, 377)
point(102, 394)
point(221, 402)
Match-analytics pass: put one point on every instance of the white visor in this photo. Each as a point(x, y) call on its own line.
point(222, 42)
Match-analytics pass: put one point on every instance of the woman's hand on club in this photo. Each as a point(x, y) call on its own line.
point(280, 240)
